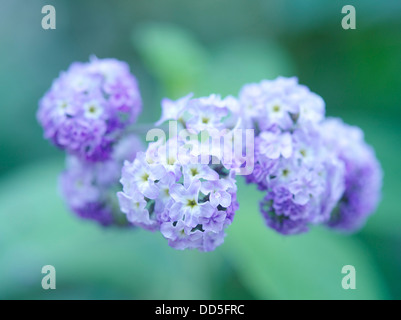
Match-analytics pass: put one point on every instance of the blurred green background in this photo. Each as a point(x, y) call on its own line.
point(208, 46)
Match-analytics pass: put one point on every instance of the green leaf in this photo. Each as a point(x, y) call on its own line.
point(96, 263)
point(240, 61)
point(91, 262)
point(297, 267)
point(172, 54)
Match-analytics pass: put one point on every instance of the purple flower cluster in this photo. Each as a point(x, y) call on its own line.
point(88, 107)
point(307, 179)
point(173, 189)
point(89, 188)
point(281, 103)
point(313, 170)
point(202, 114)
point(363, 175)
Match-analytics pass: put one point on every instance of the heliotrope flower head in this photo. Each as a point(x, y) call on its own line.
point(280, 102)
point(301, 176)
point(312, 170)
point(205, 113)
point(216, 119)
point(302, 187)
point(89, 188)
point(88, 106)
point(190, 205)
point(183, 190)
point(363, 175)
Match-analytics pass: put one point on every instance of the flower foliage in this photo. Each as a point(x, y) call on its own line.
point(312, 170)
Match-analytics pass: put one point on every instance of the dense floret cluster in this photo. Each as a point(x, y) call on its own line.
point(363, 175)
point(311, 169)
point(89, 188)
point(88, 107)
point(175, 187)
